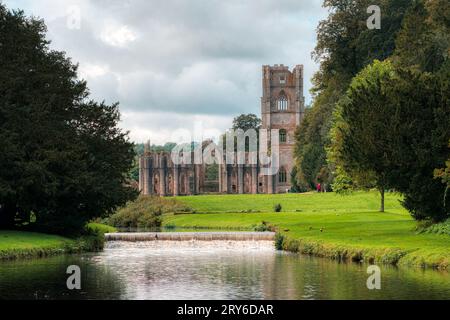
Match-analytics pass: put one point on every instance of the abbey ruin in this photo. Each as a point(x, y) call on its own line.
point(282, 108)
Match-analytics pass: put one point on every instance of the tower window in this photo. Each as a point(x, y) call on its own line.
point(282, 176)
point(282, 103)
point(282, 80)
point(283, 136)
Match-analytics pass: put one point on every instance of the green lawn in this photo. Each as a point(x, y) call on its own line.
point(351, 225)
point(29, 240)
point(21, 244)
point(101, 228)
point(14, 244)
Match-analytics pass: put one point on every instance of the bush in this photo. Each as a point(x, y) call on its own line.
point(145, 212)
point(277, 208)
point(279, 240)
point(437, 228)
point(263, 227)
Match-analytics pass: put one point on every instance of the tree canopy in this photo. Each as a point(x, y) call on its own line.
point(63, 158)
point(344, 47)
point(380, 115)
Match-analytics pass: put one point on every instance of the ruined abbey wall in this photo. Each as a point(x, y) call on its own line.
point(282, 108)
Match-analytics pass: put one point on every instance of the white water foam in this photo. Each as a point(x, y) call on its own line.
point(193, 245)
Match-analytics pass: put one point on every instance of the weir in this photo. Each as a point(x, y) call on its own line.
point(190, 236)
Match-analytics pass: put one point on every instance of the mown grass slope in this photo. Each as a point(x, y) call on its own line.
point(327, 224)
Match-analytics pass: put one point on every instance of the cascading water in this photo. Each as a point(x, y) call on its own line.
point(194, 245)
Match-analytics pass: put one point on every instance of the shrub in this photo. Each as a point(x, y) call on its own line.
point(279, 240)
point(264, 226)
point(437, 228)
point(146, 212)
point(277, 208)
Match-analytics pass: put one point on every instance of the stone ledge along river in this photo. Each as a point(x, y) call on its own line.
point(213, 269)
point(188, 236)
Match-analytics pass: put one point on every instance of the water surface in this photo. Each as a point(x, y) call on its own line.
point(211, 270)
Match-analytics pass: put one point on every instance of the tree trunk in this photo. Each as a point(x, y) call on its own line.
point(382, 199)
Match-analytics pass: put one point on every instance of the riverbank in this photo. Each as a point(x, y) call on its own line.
point(22, 244)
point(326, 225)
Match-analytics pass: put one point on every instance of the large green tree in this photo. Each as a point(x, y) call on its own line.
point(424, 40)
point(362, 145)
point(392, 131)
point(63, 158)
point(344, 46)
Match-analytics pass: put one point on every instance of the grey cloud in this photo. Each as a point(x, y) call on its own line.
point(187, 57)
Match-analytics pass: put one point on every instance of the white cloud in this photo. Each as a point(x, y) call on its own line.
point(92, 71)
point(162, 127)
point(116, 35)
point(171, 61)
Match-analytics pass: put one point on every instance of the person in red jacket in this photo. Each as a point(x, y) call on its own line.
point(319, 188)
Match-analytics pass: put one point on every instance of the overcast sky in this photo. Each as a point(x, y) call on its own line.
point(174, 63)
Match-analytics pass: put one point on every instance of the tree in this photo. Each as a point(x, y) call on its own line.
point(392, 132)
point(246, 122)
point(311, 137)
point(63, 158)
point(444, 175)
point(423, 42)
point(344, 46)
point(421, 141)
point(364, 127)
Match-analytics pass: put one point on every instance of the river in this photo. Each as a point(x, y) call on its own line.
point(210, 270)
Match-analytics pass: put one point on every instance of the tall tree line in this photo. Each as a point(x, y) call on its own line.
point(344, 46)
point(388, 126)
point(63, 158)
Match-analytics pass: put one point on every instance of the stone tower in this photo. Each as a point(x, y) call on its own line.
point(283, 107)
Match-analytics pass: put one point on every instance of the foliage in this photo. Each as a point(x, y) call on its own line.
point(423, 42)
point(295, 187)
point(246, 122)
point(437, 228)
point(263, 227)
point(424, 132)
point(279, 239)
point(391, 132)
point(444, 175)
point(211, 172)
point(389, 127)
point(63, 158)
point(344, 46)
point(362, 133)
point(277, 207)
point(311, 138)
point(145, 212)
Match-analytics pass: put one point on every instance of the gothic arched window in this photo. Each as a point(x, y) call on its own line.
point(282, 176)
point(282, 103)
point(283, 136)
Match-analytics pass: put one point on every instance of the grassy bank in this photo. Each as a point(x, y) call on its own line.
point(329, 225)
point(20, 244)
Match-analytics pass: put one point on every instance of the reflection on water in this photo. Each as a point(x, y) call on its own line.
point(210, 270)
